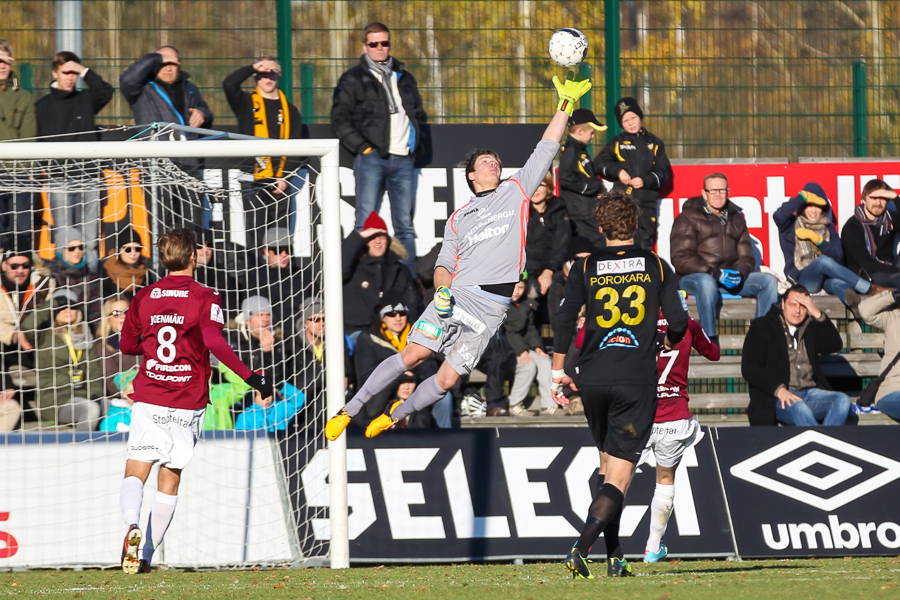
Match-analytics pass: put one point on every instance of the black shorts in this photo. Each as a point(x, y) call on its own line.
point(620, 417)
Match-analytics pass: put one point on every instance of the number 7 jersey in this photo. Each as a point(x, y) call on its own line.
point(624, 288)
point(168, 319)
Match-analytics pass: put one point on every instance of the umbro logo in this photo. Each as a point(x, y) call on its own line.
point(818, 470)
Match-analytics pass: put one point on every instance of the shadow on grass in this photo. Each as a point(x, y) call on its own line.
point(737, 569)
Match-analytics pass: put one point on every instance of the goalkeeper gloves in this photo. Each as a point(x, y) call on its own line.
point(730, 278)
point(261, 383)
point(443, 301)
point(570, 91)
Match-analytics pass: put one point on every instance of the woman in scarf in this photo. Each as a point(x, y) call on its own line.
point(107, 345)
point(812, 249)
point(69, 269)
point(125, 269)
point(69, 372)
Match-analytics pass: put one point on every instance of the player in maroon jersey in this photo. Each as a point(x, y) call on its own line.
point(675, 429)
point(175, 324)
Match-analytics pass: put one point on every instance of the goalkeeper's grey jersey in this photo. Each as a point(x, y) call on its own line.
point(484, 241)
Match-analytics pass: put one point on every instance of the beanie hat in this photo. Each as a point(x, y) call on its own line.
point(627, 104)
point(392, 301)
point(374, 221)
point(67, 235)
point(812, 193)
point(312, 307)
point(127, 236)
point(253, 305)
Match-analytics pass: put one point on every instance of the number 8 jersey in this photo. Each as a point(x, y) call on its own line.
point(168, 318)
point(623, 288)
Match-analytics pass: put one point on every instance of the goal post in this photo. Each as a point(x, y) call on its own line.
point(31, 158)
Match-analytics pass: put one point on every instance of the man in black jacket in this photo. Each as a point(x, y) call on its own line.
point(372, 267)
point(265, 112)
point(780, 363)
point(868, 236)
point(636, 161)
point(579, 185)
point(378, 115)
point(549, 232)
point(67, 114)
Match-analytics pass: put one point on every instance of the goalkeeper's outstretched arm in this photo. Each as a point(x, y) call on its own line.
point(569, 91)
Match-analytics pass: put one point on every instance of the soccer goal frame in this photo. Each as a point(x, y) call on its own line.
point(328, 183)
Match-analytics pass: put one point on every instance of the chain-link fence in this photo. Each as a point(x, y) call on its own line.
point(716, 78)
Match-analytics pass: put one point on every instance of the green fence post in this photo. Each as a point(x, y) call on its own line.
point(584, 70)
point(285, 53)
point(613, 67)
point(306, 92)
point(860, 132)
point(26, 74)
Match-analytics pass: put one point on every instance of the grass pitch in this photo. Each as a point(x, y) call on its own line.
point(816, 579)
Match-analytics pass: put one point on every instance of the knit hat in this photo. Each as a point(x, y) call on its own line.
point(310, 308)
point(127, 236)
point(625, 105)
point(374, 221)
point(581, 116)
point(253, 305)
point(277, 237)
point(64, 298)
point(813, 193)
point(578, 245)
point(392, 301)
point(66, 235)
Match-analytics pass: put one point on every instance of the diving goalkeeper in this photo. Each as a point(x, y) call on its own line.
point(482, 256)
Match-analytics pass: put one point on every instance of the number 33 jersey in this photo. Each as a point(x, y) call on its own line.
point(168, 318)
point(623, 288)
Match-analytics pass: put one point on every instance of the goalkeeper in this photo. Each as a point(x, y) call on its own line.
point(480, 261)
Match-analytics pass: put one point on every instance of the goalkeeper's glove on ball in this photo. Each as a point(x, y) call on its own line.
point(570, 91)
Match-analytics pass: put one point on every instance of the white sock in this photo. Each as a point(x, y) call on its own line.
point(660, 509)
point(131, 494)
point(160, 517)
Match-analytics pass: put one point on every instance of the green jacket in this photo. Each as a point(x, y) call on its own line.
point(16, 111)
point(53, 364)
point(221, 397)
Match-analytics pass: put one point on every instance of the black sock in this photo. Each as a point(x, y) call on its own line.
point(611, 535)
point(606, 505)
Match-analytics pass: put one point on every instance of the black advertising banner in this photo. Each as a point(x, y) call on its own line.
point(436, 495)
point(826, 491)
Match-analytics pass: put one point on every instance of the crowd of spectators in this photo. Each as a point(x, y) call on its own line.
point(60, 318)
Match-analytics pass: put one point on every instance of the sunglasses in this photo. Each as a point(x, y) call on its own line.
point(75, 248)
point(17, 266)
point(396, 313)
point(118, 313)
point(316, 319)
point(386, 44)
point(130, 249)
point(280, 250)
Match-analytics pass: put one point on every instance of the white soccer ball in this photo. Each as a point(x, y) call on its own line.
point(568, 47)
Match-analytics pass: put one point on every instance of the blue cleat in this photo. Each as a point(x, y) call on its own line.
point(652, 557)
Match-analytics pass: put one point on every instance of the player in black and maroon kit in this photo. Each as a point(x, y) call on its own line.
point(624, 288)
point(675, 429)
point(175, 323)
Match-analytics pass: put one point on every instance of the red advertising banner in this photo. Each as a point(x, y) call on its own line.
point(759, 189)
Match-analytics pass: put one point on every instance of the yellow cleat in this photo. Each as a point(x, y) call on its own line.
point(336, 425)
point(381, 424)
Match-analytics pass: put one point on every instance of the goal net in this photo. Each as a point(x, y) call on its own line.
point(78, 229)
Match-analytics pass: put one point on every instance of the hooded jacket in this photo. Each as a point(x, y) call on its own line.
point(149, 98)
point(367, 278)
point(17, 119)
point(702, 243)
point(72, 112)
point(640, 154)
point(359, 110)
point(785, 218)
point(548, 236)
point(765, 363)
